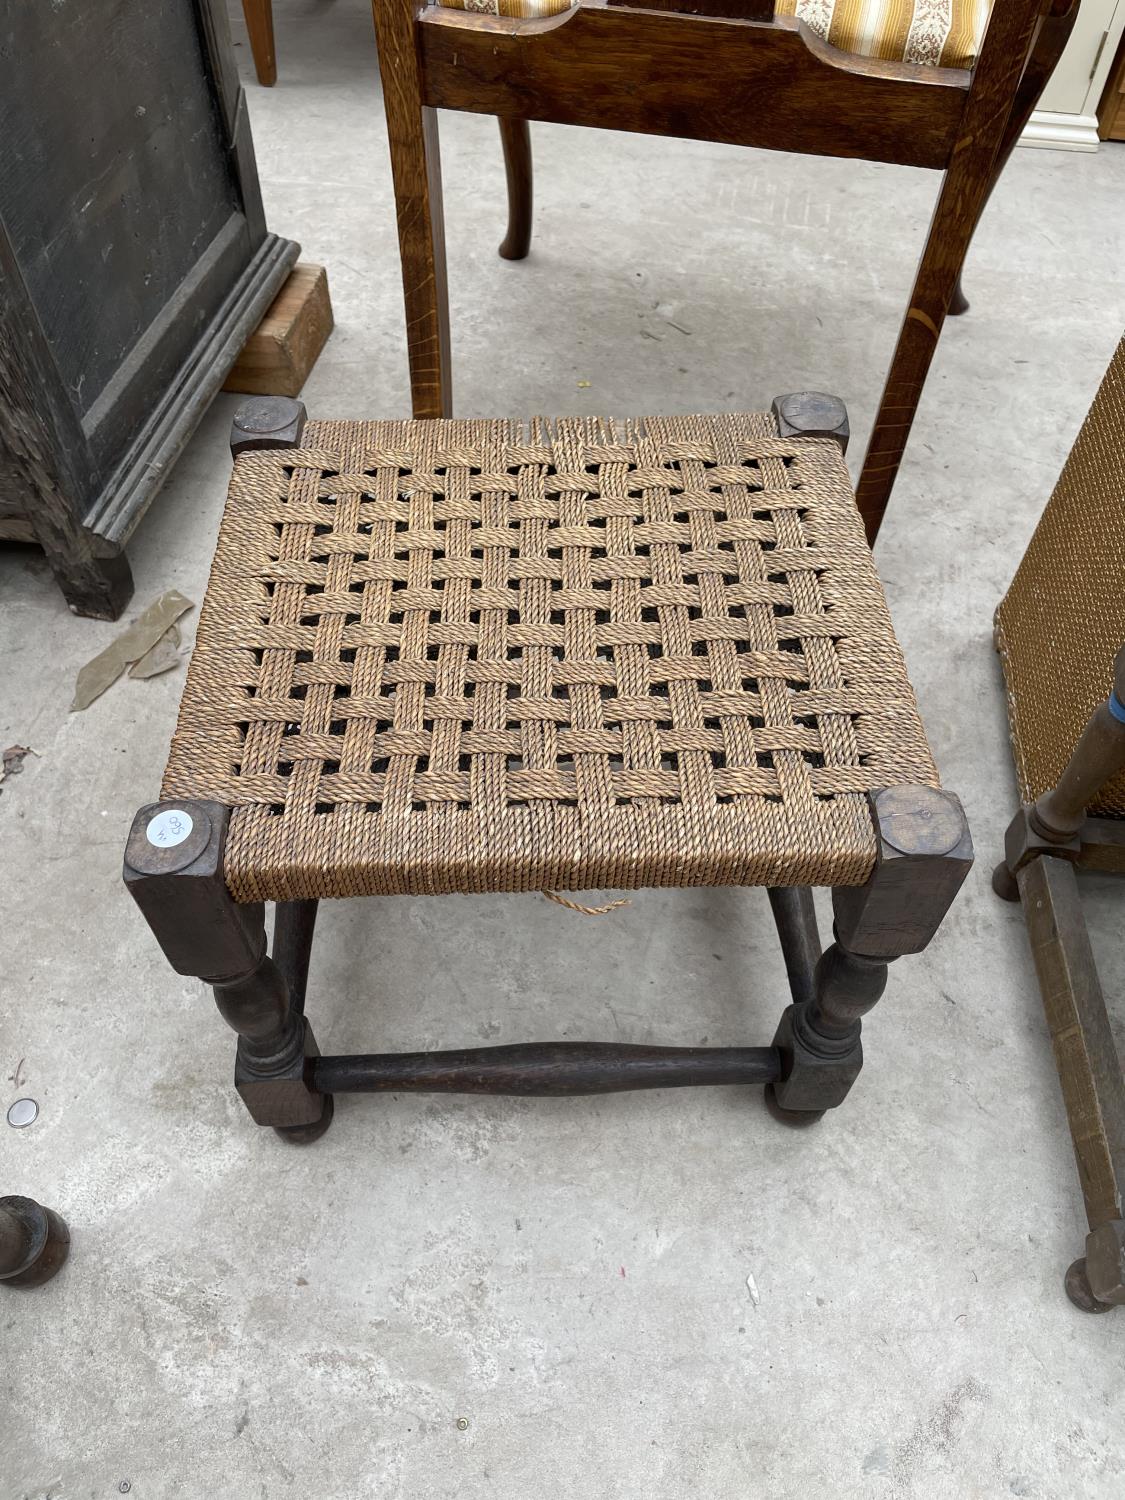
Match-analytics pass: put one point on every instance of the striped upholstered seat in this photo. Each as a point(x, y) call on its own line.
point(939, 33)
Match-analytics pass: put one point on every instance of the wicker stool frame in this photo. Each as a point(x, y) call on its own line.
point(441, 657)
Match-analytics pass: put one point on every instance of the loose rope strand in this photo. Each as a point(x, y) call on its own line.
point(587, 911)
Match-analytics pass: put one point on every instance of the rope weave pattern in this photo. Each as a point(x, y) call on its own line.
point(440, 656)
point(1062, 621)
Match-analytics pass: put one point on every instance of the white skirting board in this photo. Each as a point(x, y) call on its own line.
point(1061, 132)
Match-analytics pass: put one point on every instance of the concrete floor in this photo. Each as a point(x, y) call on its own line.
point(571, 1278)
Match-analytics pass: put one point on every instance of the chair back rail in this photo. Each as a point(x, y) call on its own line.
point(776, 85)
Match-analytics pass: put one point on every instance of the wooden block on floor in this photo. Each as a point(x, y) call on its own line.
point(279, 354)
point(16, 529)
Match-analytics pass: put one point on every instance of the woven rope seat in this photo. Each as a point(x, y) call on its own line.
point(490, 656)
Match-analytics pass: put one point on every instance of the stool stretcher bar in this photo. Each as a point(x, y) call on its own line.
point(547, 1068)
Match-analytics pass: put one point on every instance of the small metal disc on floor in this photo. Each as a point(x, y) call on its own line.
point(23, 1112)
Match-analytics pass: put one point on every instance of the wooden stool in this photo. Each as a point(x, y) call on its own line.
point(443, 656)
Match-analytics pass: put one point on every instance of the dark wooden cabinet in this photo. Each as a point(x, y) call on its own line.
point(134, 263)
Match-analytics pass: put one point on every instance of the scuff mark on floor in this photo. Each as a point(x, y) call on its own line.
point(938, 1433)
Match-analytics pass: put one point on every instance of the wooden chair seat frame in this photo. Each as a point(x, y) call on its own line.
point(760, 81)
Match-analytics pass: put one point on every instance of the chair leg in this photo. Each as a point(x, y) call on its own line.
point(950, 231)
point(923, 853)
point(416, 171)
point(1053, 37)
point(1007, 46)
point(917, 342)
point(516, 139)
point(1088, 1068)
point(259, 23)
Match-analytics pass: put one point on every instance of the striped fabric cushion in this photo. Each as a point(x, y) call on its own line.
point(525, 9)
point(940, 33)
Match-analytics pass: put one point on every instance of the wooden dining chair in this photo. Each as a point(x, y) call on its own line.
point(933, 83)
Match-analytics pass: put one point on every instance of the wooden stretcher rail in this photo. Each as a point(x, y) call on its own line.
point(557, 1068)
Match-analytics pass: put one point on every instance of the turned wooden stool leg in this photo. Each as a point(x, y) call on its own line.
point(923, 853)
point(516, 140)
point(174, 872)
point(293, 924)
point(34, 1242)
point(795, 916)
point(820, 1039)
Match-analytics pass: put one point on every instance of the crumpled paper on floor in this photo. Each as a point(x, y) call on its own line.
point(138, 646)
point(11, 762)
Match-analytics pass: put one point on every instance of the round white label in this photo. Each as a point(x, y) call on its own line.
point(169, 828)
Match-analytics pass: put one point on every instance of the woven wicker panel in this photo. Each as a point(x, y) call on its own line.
point(1063, 620)
point(462, 656)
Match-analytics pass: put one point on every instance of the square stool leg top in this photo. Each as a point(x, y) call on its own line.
point(442, 656)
